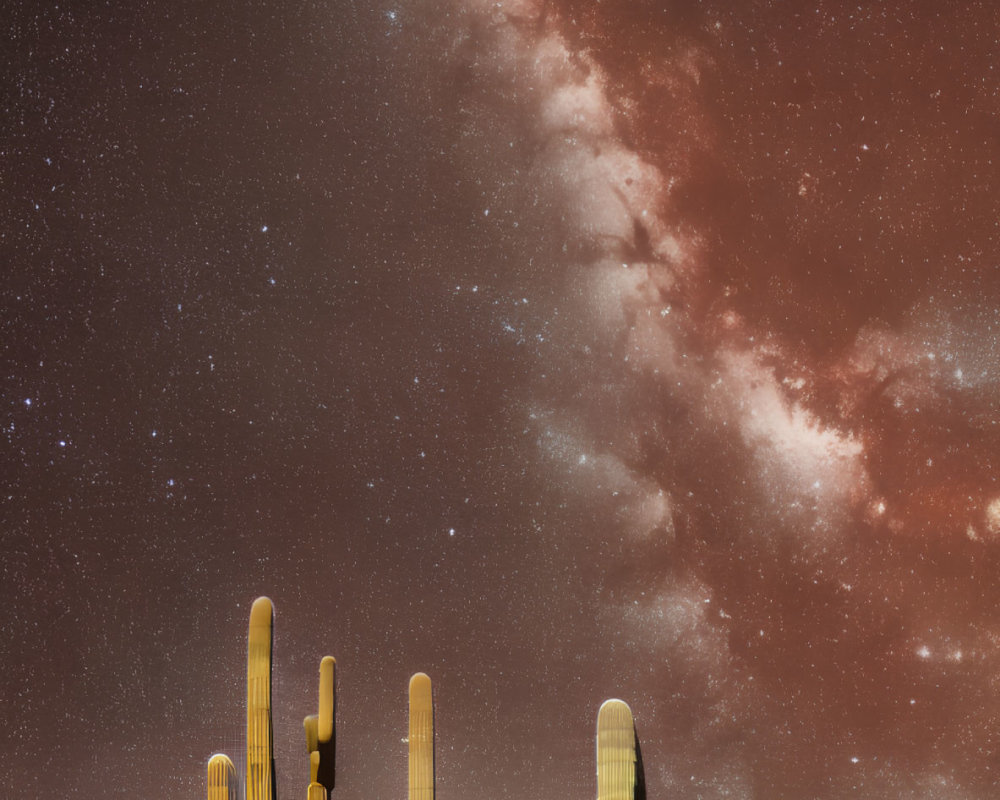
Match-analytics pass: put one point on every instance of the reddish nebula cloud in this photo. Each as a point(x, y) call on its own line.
point(559, 350)
point(784, 404)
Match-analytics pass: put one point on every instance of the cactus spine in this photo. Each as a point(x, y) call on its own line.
point(616, 752)
point(260, 782)
point(421, 740)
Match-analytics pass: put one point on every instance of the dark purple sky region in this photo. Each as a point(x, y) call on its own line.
point(561, 350)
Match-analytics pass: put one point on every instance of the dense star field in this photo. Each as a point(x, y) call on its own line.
point(561, 350)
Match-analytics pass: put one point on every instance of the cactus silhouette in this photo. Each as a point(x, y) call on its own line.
point(221, 778)
point(321, 735)
point(421, 741)
point(616, 752)
point(619, 757)
point(260, 779)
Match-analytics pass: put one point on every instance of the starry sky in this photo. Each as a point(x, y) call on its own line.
point(562, 350)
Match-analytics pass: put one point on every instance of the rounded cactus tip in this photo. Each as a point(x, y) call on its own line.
point(262, 611)
point(221, 758)
point(326, 669)
point(420, 692)
point(614, 713)
point(311, 725)
point(420, 680)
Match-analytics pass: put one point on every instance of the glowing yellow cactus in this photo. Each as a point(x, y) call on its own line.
point(616, 753)
point(321, 739)
point(221, 778)
point(260, 783)
point(311, 724)
point(421, 738)
point(326, 698)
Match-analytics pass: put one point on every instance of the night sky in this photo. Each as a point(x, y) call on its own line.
point(561, 350)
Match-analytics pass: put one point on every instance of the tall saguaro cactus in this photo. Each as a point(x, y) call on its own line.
point(616, 752)
point(619, 757)
point(260, 780)
point(221, 778)
point(421, 738)
point(320, 728)
point(321, 734)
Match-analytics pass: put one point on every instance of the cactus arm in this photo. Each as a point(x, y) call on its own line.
point(312, 736)
point(326, 724)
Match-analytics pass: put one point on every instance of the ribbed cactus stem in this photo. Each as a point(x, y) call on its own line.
point(260, 751)
point(421, 738)
point(616, 754)
point(221, 778)
point(316, 791)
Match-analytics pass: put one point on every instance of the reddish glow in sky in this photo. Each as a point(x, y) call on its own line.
point(559, 350)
